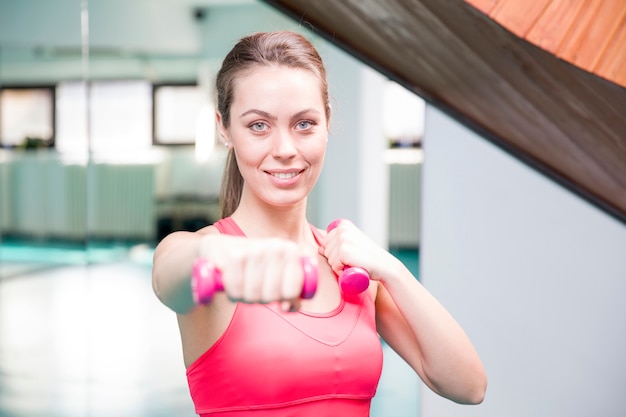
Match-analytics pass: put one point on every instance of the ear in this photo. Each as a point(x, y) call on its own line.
point(222, 131)
point(330, 112)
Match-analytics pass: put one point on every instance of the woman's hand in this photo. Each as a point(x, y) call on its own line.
point(346, 245)
point(257, 270)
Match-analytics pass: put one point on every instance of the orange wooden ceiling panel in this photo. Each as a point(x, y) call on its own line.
point(613, 63)
point(485, 6)
point(592, 33)
point(519, 16)
point(554, 25)
point(586, 33)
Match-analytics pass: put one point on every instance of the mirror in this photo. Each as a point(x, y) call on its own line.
point(106, 146)
point(102, 154)
point(43, 213)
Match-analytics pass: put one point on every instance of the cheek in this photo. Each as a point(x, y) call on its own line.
point(321, 148)
point(316, 155)
point(246, 162)
point(247, 153)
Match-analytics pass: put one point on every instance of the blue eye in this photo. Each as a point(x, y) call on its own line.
point(258, 126)
point(304, 124)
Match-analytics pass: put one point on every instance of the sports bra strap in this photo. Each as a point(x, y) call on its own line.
point(228, 226)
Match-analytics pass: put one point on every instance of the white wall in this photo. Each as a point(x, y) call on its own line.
point(536, 276)
point(354, 182)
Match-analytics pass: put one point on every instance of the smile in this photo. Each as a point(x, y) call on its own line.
point(284, 175)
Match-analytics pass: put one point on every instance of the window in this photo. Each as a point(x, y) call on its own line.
point(71, 116)
point(120, 117)
point(26, 116)
point(125, 117)
point(403, 116)
point(176, 112)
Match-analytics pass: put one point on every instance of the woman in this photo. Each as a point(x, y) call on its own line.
point(258, 348)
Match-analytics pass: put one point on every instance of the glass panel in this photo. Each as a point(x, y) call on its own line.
point(43, 216)
point(79, 323)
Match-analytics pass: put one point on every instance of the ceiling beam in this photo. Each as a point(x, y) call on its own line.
point(565, 122)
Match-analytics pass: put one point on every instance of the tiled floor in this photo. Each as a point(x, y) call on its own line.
point(81, 339)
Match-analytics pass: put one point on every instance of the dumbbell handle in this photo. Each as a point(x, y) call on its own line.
point(206, 280)
point(353, 279)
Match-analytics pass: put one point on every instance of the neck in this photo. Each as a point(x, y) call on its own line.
point(284, 222)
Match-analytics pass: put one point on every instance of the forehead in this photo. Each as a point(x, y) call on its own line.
point(263, 83)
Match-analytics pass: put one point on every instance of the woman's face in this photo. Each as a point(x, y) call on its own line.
point(278, 129)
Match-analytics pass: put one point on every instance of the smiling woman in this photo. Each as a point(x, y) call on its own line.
point(269, 58)
point(280, 146)
point(267, 345)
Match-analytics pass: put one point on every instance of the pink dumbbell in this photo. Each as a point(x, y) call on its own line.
point(353, 279)
point(206, 280)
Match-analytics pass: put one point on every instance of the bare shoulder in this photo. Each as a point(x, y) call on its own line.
point(180, 237)
point(207, 230)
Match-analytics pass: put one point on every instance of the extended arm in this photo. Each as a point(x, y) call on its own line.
point(171, 272)
point(252, 270)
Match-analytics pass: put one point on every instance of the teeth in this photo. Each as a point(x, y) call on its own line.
point(284, 175)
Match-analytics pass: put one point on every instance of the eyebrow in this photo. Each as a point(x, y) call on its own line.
point(259, 112)
point(272, 117)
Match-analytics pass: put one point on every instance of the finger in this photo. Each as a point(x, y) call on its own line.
point(254, 274)
point(232, 278)
point(332, 255)
point(271, 287)
point(229, 256)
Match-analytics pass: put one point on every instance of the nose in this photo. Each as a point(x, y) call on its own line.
point(284, 145)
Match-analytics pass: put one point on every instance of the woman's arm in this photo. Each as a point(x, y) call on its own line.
point(411, 320)
point(171, 271)
point(254, 270)
point(422, 331)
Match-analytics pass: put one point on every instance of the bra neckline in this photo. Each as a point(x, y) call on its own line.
point(234, 227)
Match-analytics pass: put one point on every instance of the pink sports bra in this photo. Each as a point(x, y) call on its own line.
point(272, 363)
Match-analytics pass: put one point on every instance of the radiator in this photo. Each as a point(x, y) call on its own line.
point(65, 201)
point(120, 202)
point(29, 187)
point(43, 198)
point(5, 197)
point(404, 205)
point(76, 196)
